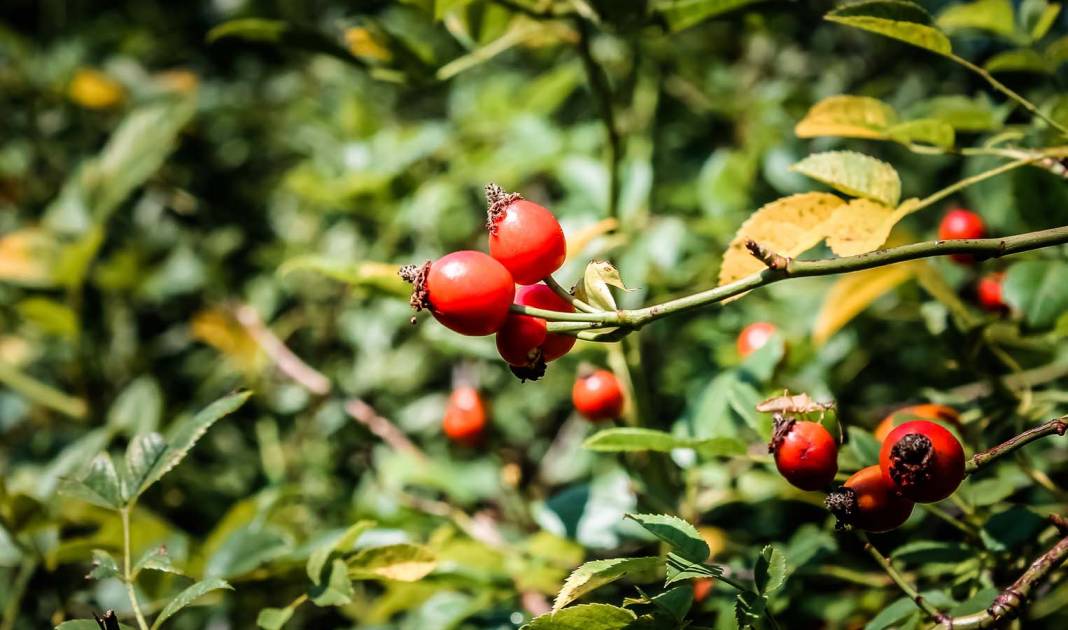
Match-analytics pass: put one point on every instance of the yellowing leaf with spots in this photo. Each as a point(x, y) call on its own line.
point(787, 226)
point(847, 116)
point(95, 90)
point(863, 226)
point(854, 174)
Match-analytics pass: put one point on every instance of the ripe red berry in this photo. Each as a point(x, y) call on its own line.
point(923, 461)
point(541, 296)
point(946, 416)
point(523, 236)
point(805, 453)
point(519, 341)
point(466, 291)
point(701, 588)
point(754, 337)
point(598, 396)
point(523, 341)
point(961, 224)
point(465, 416)
point(988, 291)
point(866, 501)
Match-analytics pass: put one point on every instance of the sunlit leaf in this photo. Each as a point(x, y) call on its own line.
point(188, 596)
point(584, 617)
point(925, 131)
point(852, 293)
point(1019, 60)
point(93, 89)
point(682, 536)
point(682, 14)
point(863, 226)
point(854, 174)
point(401, 562)
point(847, 116)
point(597, 573)
point(342, 542)
point(628, 439)
point(770, 571)
point(897, 19)
point(994, 16)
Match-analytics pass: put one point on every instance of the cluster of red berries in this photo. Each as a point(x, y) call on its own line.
point(920, 461)
point(958, 224)
point(472, 293)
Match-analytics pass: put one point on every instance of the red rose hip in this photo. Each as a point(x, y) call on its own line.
point(754, 337)
point(866, 501)
point(523, 236)
point(805, 453)
point(519, 341)
point(988, 292)
point(598, 396)
point(541, 296)
point(961, 224)
point(466, 291)
point(465, 416)
point(922, 461)
point(942, 414)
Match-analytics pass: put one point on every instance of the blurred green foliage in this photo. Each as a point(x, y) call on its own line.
point(166, 167)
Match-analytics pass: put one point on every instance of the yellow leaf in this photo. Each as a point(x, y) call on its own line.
point(95, 90)
point(847, 116)
point(220, 330)
point(854, 292)
point(178, 80)
point(787, 226)
point(362, 43)
point(578, 241)
point(28, 257)
point(863, 226)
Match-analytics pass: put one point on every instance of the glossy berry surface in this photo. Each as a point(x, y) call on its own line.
point(923, 461)
point(598, 396)
point(701, 588)
point(467, 291)
point(525, 237)
point(805, 453)
point(866, 501)
point(541, 296)
point(961, 224)
point(942, 414)
point(988, 292)
point(754, 337)
point(519, 341)
point(465, 416)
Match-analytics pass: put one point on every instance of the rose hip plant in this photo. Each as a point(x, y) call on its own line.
point(539, 314)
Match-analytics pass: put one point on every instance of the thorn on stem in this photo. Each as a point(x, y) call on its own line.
point(774, 261)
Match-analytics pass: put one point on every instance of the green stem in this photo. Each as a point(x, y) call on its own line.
point(568, 297)
point(41, 393)
point(938, 512)
point(1010, 601)
point(602, 93)
point(974, 179)
point(1054, 427)
point(899, 579)
point(18, 589)
point(1009, 92)
point(127, 577)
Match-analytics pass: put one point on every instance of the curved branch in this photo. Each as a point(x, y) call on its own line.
point(568, 297)
point(1054, 427)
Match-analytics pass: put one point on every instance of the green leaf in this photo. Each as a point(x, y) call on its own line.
point(769, 574)
point(402, 562)
point(1038, 289)
point(988, 491)
point(1057, 51)
point(137, 409)
point(629, 439)
point(679, 568)
point(924, 130)
point(100, 487)
point(184, 435)
point(104, 566)
point(597, 573)
point(188, 596)
point(892, 614)
point(925, 551)
point(748, 609)
point(675, 602)
point(854, 174)
point(155, 559)
point(274, 618)
point(1045, 21)
point(584, 617)
point(336, 590)
point(960, 112)
point(281, 33)
point(903, 21)
point(994, 16)
point(142, 454)
point(49, 316)
point(343, 541)
point(682, 536)
point(1019, 60)
point(864, 446)
point(682, 14)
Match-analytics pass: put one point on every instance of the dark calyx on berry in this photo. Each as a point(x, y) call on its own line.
point(842, 502)
point(780, 430)
point(530, 372)
point(910, 460)
point(498, 200)
point(416, 276)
